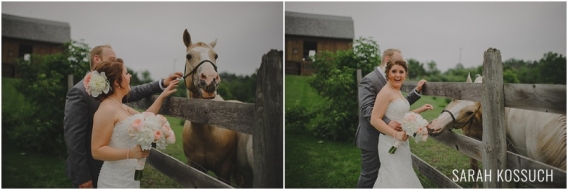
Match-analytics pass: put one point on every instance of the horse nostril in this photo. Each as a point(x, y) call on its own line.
point(202, 83)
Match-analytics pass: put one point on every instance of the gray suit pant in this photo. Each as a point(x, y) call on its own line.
point(370, 165)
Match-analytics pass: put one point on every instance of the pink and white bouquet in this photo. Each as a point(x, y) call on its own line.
point(149, 129)
point(415, 126)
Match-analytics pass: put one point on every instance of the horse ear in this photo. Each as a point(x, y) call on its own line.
point(186, 38)
point(468, 78)
point(213, 43)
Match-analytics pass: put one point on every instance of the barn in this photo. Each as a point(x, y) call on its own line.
point(23, 36)
point(306, 34)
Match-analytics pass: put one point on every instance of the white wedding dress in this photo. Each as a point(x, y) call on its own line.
point(120, 173)
point(396, 169)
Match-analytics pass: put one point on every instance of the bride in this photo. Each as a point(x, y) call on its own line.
point(396, 169)
point(109, 83)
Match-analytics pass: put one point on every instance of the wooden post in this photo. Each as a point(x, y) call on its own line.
point(359, 76)
point(268, 124)
point(70, 83)
point(494, 155)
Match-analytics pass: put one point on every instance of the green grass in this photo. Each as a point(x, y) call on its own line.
point(299, 92)
point(311, 162)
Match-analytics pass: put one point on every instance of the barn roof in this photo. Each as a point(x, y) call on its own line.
point(35, 29)
point(316, 25)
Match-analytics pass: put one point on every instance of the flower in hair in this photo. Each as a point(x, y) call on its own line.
point(96, 83)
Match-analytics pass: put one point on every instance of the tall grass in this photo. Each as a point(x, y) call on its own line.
point(311, 162)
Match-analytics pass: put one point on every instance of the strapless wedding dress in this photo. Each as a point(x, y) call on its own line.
point(396, 169)
point(120, 173)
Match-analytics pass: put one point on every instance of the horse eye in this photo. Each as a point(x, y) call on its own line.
point(188, 56)
point(469, 112)
point(216, 56)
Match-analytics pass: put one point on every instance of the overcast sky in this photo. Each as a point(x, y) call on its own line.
point(428, 31)
point(148, 35)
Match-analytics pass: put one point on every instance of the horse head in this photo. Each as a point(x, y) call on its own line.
point(458, 114)
point(200, 74)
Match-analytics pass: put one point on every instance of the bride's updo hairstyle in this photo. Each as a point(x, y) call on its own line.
point(113, 72)
point(391, 63)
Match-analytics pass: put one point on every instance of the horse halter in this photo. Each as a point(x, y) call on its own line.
point(470, 121)
point(193, 72)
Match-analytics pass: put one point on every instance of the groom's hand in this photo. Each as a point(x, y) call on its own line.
point(395, 125)
point(172, 77)
point(88, 184)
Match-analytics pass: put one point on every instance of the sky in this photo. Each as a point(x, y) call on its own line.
point(445, 31)
point(149, 35)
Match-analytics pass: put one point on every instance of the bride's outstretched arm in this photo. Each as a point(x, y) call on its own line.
point(103, 125)
point(424, 108)
point(155, 107)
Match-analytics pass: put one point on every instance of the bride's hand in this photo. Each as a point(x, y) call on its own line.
point(138, 153)
point(427, 107)
point(400, 135)
point(172, 87)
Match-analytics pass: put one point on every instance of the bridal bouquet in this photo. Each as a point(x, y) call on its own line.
point(415, 126)
point(150, 130)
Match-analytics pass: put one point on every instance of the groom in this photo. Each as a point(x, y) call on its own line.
point(367, 136)
point(80, 166)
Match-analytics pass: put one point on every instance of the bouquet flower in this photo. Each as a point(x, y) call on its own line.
point(415, 126)
point(96, 83)
point(150, 130)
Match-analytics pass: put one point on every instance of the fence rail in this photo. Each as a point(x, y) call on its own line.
point(263, 120)
point(538, 97)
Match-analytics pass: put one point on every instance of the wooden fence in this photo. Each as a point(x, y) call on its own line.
point(263, 120)
point(494, 96)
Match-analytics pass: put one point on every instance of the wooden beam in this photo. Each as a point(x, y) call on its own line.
point(538, 97)
point(182, 173)
point(464, 144)
point(230, 115)
point(268, 123)
point(454, 90)
point(433, 174)
point(519, 162)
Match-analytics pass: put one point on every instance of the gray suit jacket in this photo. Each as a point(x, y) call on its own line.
point(80, 108)
point(367, 137)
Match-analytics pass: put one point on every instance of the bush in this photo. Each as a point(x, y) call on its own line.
point(335, 81)
point(43, 82)
point(297, 117)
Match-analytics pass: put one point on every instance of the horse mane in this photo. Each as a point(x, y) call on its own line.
point(552, 141)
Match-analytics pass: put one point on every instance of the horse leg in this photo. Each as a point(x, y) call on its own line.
point(225, 170)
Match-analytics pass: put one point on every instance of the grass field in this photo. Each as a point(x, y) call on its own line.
point(311, 162)
point(27, 169)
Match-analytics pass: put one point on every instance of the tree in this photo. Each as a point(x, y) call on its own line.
point(43, 82)
point(552, 69)
point(415, 69)
point(334, 79)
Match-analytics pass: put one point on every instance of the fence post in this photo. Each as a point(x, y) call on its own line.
point(70, 81)
point(359, 76)
point(268, 126)
point(494, 155)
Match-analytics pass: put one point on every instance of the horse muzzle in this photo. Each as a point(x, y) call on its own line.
point(207, 91)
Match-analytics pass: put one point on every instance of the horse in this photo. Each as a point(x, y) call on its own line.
point(209, 147)
point(206, 147)
point(538, 135)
